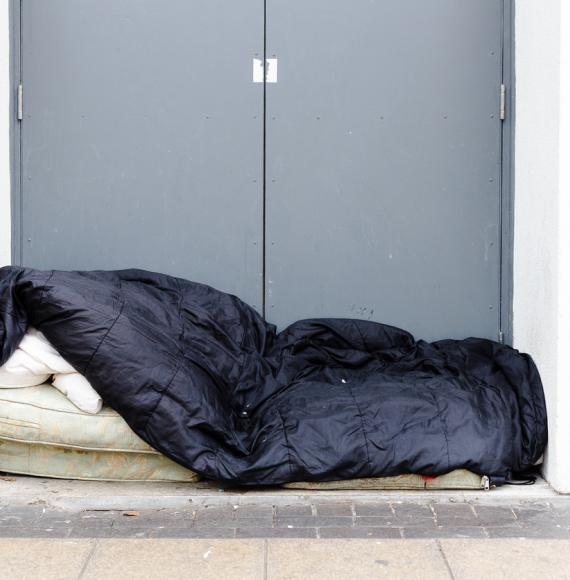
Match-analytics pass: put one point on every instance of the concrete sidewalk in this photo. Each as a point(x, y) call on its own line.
point(274, 559)
point(73, 529)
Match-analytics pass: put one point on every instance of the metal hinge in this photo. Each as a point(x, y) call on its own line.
point(501, 337)
point(20, 102)
point(503, 103)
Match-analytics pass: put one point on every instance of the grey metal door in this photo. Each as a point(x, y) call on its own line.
point(384, 163)
point(142, 138)
point(143, 143)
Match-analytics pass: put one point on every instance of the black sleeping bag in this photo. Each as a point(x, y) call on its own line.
point(203, 378)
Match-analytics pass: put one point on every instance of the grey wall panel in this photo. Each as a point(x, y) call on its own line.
point(142, 138)
point(384, 163)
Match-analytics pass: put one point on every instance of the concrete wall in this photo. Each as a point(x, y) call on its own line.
point(5, 227)
point(542, 232)
point(559, 468)
point(542, 198)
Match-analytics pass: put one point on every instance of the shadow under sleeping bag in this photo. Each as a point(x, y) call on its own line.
point(201, 377)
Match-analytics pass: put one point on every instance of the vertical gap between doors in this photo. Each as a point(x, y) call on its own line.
point(501, 181)
point(264, 170)
point(505, 176)
point(21, 133)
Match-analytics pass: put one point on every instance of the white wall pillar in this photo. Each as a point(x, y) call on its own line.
point(559, 463)
point(5, 227)
point(542, 226)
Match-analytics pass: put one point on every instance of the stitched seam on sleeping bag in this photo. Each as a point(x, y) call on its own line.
point(533, 406)
point(361, 336)
point(180, 301)
point(44, 290)
point(104, 337)
point(177, 369)
point(361, 417)
point(287, 445)
point(533, 398)
point(443, 427)
point(162, 393)
point(182, 338)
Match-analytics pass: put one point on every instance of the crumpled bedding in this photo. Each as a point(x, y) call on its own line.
point(35, 362)
point(204, 379)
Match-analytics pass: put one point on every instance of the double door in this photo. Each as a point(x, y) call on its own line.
point(358, 175)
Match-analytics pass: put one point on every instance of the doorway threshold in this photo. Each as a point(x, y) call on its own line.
point(106, 495)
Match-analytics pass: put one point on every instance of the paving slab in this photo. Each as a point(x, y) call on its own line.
point(370, 509)
point(291, 511)
point(360, 532)
point(513, 559)
point(30, 559)
point(495, 515)
point(354, 558)
point(177, 559)
point(446, 532)
point(458, 514)
point(276, 533)
point(557, 532)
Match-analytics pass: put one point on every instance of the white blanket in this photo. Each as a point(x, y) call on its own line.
point(35, 361)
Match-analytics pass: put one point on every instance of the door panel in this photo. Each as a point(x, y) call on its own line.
point(142, 138)
point(142, 145)
point(383, 163)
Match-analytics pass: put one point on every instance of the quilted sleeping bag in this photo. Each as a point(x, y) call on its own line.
point(201, 377)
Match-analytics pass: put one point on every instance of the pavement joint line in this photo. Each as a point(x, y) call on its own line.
point(444, 557)
point(88, 558)
point(265, 558)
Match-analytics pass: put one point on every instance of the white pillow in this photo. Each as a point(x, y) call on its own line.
point(23, 370)
point(37, 346)
point(36, 360)
point(79, 391)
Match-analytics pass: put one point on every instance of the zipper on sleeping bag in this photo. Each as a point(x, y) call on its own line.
point(522, 478)
point(496, 480)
